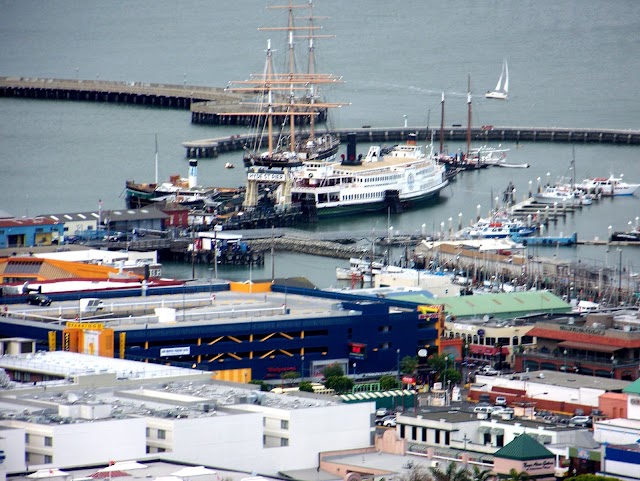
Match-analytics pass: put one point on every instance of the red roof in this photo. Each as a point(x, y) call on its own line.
point(22, 222)
point(583, 337)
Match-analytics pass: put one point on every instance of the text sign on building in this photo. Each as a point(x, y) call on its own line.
point(357, 350)
point(537, 465)
point(92, 326)
point(175, 351)
point(265, 177)
point(585, 330)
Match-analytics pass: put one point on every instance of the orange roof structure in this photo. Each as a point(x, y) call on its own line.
point(20, 269)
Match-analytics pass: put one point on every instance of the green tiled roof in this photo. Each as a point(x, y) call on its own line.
point(523, 448)
point(633, 388)
point(497, 305)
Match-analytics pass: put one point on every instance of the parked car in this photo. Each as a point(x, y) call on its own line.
point(382, 420)
point(581, 421)
point(483, 409)
point(389, 422)
point(38, 300)
point(382, 412)
point(501, 401)
point(117, 237)
point(484, 398)
point(488, 371)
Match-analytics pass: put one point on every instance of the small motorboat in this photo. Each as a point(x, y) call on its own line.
point(229, 165)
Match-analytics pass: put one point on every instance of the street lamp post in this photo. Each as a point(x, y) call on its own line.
point(620, 277)
point(398, 363)
point(613, 366)
point(444, 384)
point(302, 368)
point(354, 371)
point(565, 360)
point(532, 403)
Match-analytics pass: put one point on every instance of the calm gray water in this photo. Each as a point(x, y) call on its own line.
point(571, 63)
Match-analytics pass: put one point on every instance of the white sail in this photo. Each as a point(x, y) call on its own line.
point(499, 84)
point(502, 89)
point(506, 77)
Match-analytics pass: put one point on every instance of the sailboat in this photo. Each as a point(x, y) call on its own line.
point(501, 91)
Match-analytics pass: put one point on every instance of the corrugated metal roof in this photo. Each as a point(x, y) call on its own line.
point(498, 305)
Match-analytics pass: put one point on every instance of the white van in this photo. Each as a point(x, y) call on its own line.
point(483, 409)
point(91, 304)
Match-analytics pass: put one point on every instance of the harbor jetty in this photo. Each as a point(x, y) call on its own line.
point(204, 148)
point(218, 106)
point(137, 93)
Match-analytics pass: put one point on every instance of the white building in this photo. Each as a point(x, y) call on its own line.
point(99, 415)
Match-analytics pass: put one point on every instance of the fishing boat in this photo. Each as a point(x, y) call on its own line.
point(291, 101)
point(501, 92)
point(498, 226)
point(398, 178)
point(608, 186)
point(561, 195)
point(629, 236)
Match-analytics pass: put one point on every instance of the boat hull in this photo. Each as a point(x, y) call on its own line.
point(362, 207)
point(283, 161)
point(625, 237)
point(496, 95)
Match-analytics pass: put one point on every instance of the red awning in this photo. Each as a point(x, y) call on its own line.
point(487, 350)
point(108, 474)
point(584, 346)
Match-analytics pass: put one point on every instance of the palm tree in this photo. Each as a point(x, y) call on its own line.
point(452, 473)
point(481, 474)
point(416, 473)
point(514, 475)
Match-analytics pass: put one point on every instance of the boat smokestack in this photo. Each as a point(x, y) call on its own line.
point(411, 139)
point(193, 173)
point(351, 146)
point(351, 151)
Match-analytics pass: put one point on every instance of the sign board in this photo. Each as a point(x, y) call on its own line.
point(357, 350)
point(93, 326)
point(408, 380)
point(175, 351)
point(266, 177)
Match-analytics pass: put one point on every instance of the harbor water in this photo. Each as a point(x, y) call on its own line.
point(571, 64)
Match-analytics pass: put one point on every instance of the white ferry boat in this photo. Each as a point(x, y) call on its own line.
point(399, 178)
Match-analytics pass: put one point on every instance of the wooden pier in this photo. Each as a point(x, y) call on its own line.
point(386, 135)
point(137, 93)
point(212, 105)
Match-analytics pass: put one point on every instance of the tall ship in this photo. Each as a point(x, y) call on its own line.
point(397, 178)
point(288, 105)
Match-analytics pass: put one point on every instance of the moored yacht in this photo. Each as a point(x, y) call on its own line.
point(608, 186)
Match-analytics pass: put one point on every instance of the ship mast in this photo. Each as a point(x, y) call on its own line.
point(468, 115)
point(442, 125)
point(291, 82)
